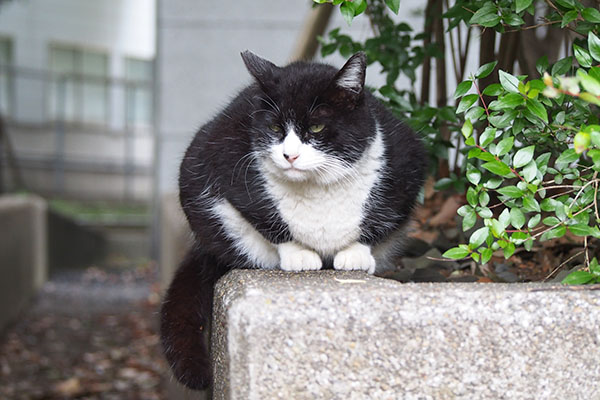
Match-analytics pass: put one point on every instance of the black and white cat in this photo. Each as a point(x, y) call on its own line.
point(305, 169)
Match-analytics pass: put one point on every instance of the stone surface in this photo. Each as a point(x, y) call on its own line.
point(331, 335)
point(23, 252)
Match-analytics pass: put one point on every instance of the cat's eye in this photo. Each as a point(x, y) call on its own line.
point(275, 128)
point(316, 128)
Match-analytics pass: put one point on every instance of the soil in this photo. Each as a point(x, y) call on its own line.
point(90, 334)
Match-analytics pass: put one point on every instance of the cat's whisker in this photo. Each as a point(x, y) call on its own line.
point(242, 160)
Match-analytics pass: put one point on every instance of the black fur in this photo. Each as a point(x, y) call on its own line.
point(217, 165)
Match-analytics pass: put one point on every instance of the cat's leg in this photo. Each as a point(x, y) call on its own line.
point(295, 257)
point(357, 256)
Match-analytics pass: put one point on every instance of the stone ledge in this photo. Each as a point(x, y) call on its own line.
point(334, 335)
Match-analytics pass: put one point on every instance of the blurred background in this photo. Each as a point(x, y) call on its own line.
point(98, 101)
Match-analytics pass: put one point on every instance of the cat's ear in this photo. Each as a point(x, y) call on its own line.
point(348, 84)
point(264, 71)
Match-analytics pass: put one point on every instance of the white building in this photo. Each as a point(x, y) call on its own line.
point(76, 93)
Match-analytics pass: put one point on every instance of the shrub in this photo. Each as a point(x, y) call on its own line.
point(530, 143)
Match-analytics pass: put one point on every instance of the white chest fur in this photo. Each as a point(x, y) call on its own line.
point(327, 218)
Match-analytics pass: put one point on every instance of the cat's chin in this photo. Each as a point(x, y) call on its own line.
point(296, 175)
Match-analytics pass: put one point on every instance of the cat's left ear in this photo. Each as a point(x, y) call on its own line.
point(264, 71)
point(348, 84)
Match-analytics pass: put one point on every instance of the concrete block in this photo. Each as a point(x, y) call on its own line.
point(72, 245)
point(23, 253)
point(333, 335)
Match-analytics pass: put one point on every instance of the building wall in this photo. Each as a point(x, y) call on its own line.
point(120, 29)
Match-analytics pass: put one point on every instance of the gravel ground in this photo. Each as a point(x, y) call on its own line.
point(90, 334)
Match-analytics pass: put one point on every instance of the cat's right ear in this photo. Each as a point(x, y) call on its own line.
point(262, 70)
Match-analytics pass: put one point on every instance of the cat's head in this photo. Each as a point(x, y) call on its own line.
point(310, 121)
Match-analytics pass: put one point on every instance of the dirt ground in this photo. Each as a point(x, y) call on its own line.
point(90, 334)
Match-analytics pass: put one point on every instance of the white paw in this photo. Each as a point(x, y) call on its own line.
point(355, 257)
point(294, 257)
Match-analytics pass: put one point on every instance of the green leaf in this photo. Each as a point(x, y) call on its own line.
point(484, 199)
point(443, 184)
point(469, 219)
point(594, 46)
point(569, 17)
point(497, 167)
point(478, 237)
point(590, 84)
point(466, 102)
point(555, 233)
point(517, 218)
point(566, 3)
point(509, 250)
point(486, 16)
point(581, 142)
point(591, 15)
point(578, 278)
point(509, 82)
point(503, 120)
point(581, 230)
point(562, 66)
point(456, 253)
point(504, 146)
point(486, 255)
point(347, 10)
point(533, 221)
point(467, 129)
point(530, 204)
point(473, 175)
point(497, 227)
point(474, 113)
point(567, 157)
point(523, 156)
point(582, 56)
point(522, 4)
point(510, 100)
point(359, 6)
point(492, 90)
point(512, 19)
point(462, 88)
point(393, 5)
point(590, 98)
point(485, 70)
point(530, 171)
point(538, 109)
point(487, 137)
point(511, 191)
point(472, 196)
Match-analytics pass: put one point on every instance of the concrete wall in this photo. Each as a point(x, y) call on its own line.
point(23, 253)
point(348, 335)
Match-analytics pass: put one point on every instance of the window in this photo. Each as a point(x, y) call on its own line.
point(79, 88)
point(138, 75)
point(5, 75)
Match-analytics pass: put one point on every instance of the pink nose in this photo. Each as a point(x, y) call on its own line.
point(290, 159)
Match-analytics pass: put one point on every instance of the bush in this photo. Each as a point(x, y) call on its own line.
point(530, 143)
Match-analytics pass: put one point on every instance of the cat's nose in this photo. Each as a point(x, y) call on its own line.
point(290, 159)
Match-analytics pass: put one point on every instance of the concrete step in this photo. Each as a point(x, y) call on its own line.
point(334, 335)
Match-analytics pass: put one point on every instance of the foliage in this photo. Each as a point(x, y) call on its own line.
point(531, 144)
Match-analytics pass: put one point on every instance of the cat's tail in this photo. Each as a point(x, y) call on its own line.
point(185, 319)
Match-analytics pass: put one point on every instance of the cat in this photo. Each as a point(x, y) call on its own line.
point(303, 170)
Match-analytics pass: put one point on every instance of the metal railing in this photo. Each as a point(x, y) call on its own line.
point(49, 110)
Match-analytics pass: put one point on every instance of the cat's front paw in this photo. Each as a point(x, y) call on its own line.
point(294, 257)
point(355, 257)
